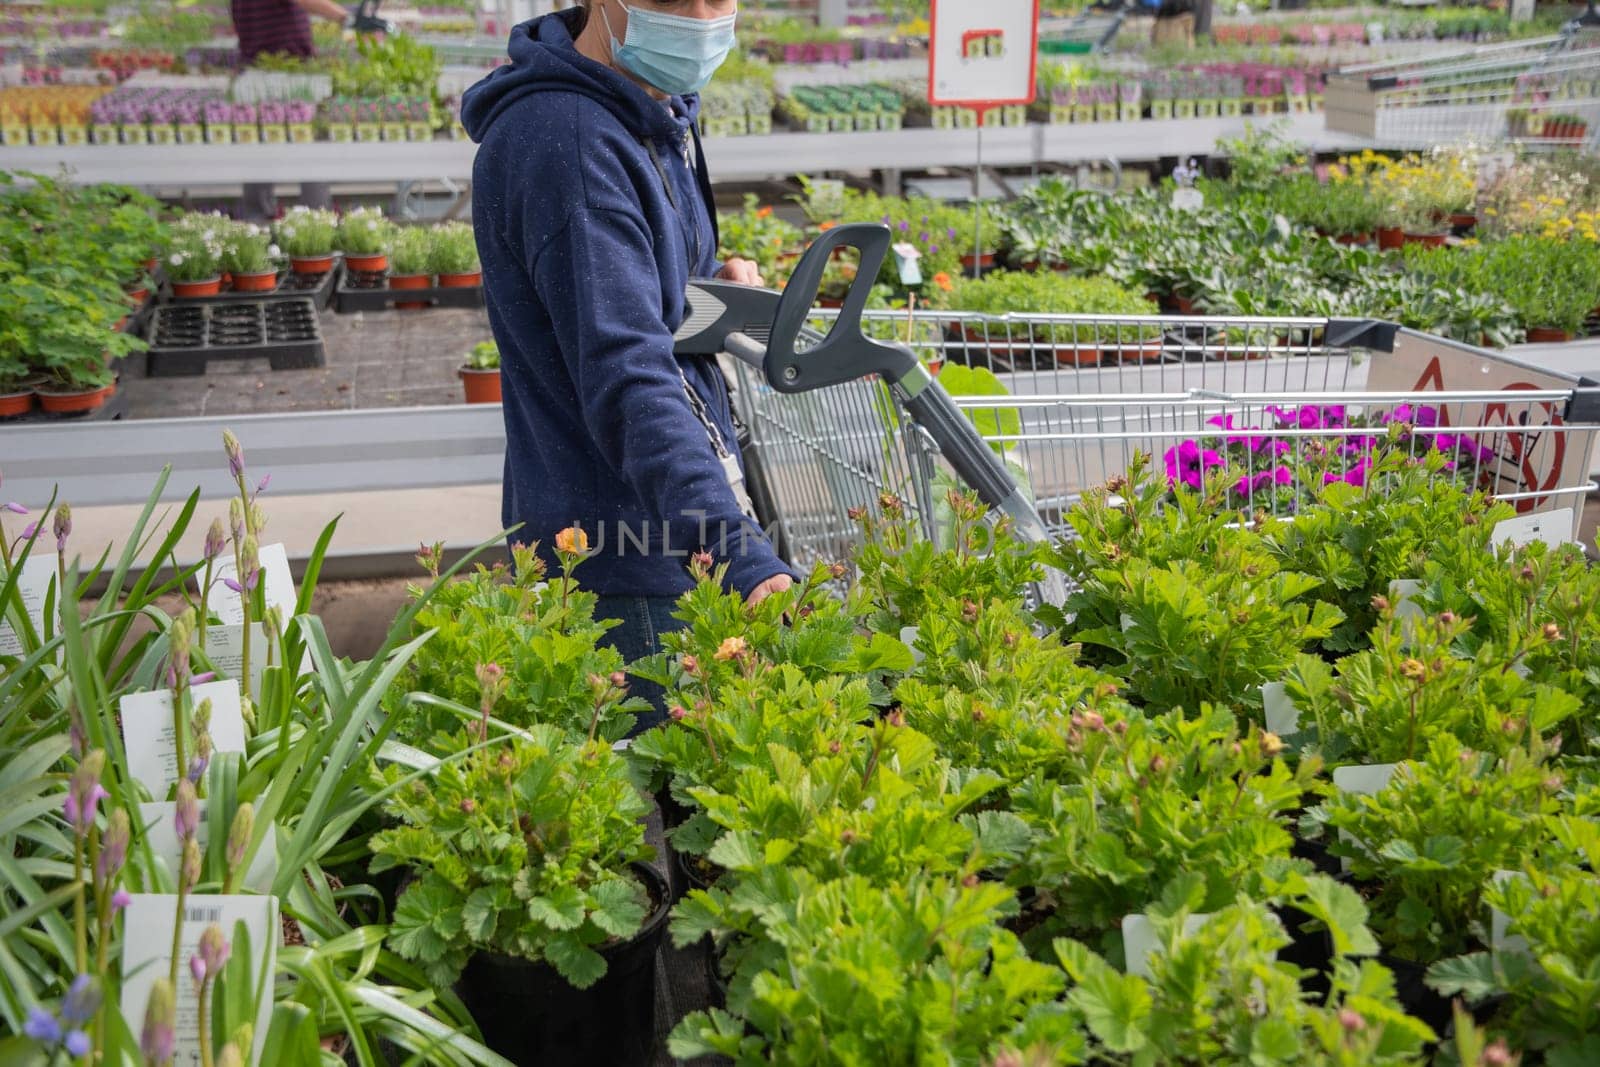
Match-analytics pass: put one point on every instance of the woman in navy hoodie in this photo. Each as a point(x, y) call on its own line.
point(593, 210)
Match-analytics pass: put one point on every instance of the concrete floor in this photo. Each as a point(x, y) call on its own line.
point(374, 360)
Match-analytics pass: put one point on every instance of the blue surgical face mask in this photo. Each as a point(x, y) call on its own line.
point(674, 53)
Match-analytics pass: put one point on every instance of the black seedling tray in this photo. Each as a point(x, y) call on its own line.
point(369, 291)
point(318, 288)
point(184, 338)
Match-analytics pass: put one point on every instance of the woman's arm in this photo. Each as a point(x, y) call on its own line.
point(325, 9)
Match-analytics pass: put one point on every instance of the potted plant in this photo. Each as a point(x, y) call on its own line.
point(531, 895)
point(455, 256)
point(251, 259)
point(480, 375)
point(364, 238)
point(411, 262)
point(16, 383)
point(194, 259)
point(1419, 222)
point(307, 235)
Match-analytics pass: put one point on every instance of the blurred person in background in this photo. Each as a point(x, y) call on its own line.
point(280, 27)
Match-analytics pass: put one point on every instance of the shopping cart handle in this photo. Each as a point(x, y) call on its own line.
point(845, 354)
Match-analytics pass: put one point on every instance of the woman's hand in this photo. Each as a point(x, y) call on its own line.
point(741, 272)
point(776, 584)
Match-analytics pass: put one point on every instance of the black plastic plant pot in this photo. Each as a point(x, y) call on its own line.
point(1414, 993)
point(530, 1015)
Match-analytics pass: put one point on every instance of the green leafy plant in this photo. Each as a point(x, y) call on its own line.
point(943, 975)
point(485, 355)
point(1002, 292)
point(539, 632)
point(1428, 843)
point(1540, 986)
point(521, 847)
point(1216, 991)
point(756, 233)
point(365, 232)
point(249, 249)
point(308, 232)
point(455, 249)
point(1145, 803)
point(412, 252)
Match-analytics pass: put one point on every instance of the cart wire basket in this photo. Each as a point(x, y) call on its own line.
point(1067, 401)
point(1540, 93)
point(1090, 30)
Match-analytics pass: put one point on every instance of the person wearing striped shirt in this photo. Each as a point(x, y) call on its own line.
point(280, 27)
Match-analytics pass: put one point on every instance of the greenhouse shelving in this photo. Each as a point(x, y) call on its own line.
point(731, 158)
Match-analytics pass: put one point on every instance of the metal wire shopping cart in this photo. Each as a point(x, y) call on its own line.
point(1543, 92)
point(1091, 30)
point(1083, 393)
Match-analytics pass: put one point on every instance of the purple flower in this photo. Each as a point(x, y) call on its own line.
point(1225, 422)
point(216, 540)
point(82, 1001)
point(249, 585)
point(84, 792)
point(1188, 463)
point(214, 950)
point(1356, 475)
point(1263, 479)
point(904, 225)
point(235, 453)
point(29, 531)
point(121, 899)
point(160, 1023)
point(197, 969)
point(261, 486)
point(13, 507)
point(197, 769)
point(186, 812)
point(77, 1043)
point(203, 677)
point(113, 846)
point(62, 527)
point(950, 232)
point(42, 1026)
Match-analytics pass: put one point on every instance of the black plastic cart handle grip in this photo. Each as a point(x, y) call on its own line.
point(844, 355)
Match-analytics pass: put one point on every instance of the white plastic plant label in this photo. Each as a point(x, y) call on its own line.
point(162, 835)
point(1406, 610)
point(225, 651)
point(1554, 528)
point(277, 581)
point(147, 955)
point(905, 261)
point(151, 742)
point(908, 637)
point(1282, 717)
point(1139, 940)
point(33, 588)
point(1365, 778)
point(1188, 198)
point(1499, 921)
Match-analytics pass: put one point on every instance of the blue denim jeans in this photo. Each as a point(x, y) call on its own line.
point(644, 620)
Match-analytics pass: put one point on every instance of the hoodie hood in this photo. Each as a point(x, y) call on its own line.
point(544, 59)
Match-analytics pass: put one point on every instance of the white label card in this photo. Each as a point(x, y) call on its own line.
point(278, 584)
point(1554, 528)
point(1139, 940)
point(905, 261)
point(908, 637)
point(1365, 778)
point(983, 53)
point(147, 955)
point(1499, 922)
point(225, 649)
point(150, 740)
point(33, 586)
point(163, 837)
point(1282, 717)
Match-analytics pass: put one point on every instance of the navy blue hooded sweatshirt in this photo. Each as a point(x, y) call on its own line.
point(586, 254)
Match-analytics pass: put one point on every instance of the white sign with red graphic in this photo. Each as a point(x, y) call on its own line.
point(982, 54)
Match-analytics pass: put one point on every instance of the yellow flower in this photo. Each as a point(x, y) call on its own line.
point(572, 541)
point(731, 648)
